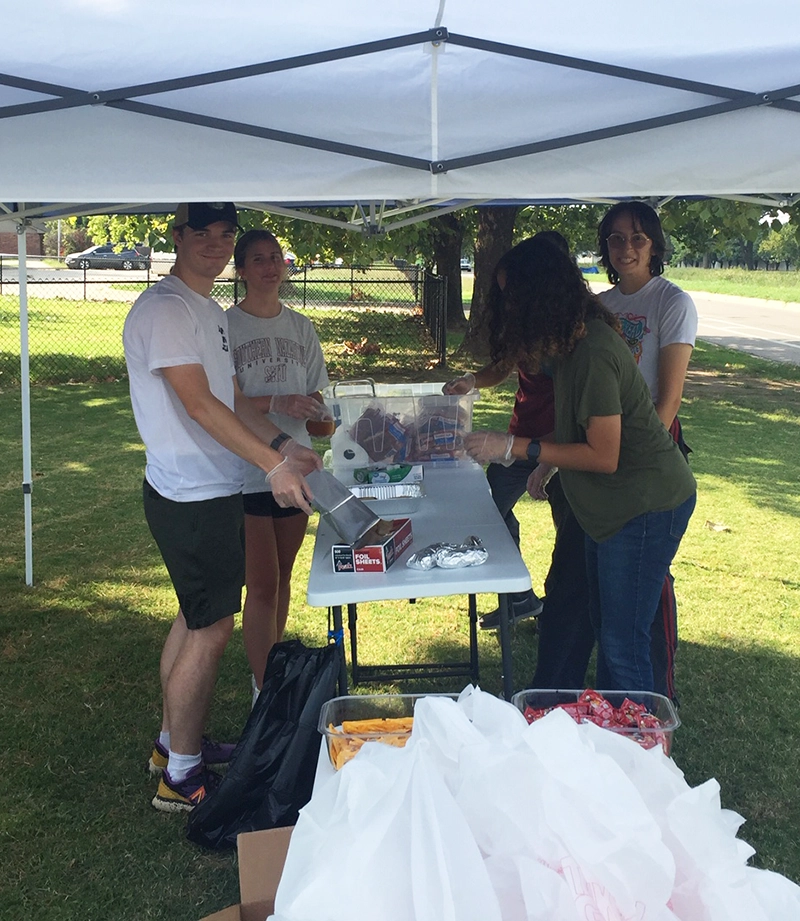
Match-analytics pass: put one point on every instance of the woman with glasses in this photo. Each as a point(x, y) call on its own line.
point(622, 473)
point(659, 323)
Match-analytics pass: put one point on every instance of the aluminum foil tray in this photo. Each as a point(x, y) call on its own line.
point(391, 499)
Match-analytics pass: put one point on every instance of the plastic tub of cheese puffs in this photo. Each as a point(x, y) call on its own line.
point(350, 722)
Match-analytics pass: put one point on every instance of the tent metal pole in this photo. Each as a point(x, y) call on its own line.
point(25, 394)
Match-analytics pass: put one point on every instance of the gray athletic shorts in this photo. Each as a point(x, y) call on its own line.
point(202, 545)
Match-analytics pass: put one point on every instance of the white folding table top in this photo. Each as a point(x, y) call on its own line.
point(457, 504)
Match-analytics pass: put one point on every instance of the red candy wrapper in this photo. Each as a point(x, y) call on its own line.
point(592, 707)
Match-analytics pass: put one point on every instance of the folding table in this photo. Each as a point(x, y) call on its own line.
point(457, 503)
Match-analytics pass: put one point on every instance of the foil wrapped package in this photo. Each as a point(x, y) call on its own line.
point(449, 556)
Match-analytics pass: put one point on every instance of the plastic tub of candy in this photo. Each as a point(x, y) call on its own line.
point(645, 717)
point(348, 722)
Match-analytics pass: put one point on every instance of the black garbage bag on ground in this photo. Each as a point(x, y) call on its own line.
point(271, 773)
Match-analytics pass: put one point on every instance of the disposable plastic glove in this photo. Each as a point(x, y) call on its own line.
point(289, 489)
point(304, 459)
point(539, 479)
point(490, 447)
point(298, 406)
point(463, 384)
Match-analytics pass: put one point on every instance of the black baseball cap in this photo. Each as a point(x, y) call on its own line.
point(199, 214)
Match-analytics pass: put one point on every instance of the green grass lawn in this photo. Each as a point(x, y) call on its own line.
point(776, 286)
point(80, 649)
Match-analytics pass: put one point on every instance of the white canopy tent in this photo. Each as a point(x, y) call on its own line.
point(399, 108)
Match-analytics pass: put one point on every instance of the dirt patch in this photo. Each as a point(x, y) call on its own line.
point(736, 385)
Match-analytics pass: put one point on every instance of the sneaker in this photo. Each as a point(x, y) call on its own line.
point(187, 793)
point(523, 604)
point(214, 754)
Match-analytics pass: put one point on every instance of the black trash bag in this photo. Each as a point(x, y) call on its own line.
point(271, 773)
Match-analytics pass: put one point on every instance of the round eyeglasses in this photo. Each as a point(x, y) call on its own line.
point(620, 241)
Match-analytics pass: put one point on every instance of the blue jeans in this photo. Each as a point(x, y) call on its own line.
point(626, 574)
point(566, 638)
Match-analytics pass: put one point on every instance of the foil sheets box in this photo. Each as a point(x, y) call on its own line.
point(374, 557)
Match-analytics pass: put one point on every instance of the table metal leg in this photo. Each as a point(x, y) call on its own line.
point(336, 633)
point(473, 638)
point(505, 647)
point(352, 626)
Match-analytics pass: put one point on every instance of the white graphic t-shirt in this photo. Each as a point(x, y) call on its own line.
point(171, 325)
point(657, 315)
point(276, 355)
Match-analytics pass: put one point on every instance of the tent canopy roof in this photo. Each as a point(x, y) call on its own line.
point(113, 104)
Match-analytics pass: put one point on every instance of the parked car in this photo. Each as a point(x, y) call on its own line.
point(163, 263)
point(466, 265)
point(110, 256)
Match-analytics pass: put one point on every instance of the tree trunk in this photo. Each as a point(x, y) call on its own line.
point(749, 254)
point(447, 243)
point(493, 239)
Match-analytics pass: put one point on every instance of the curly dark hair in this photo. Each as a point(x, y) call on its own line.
point(540, 312)
point(645, 220)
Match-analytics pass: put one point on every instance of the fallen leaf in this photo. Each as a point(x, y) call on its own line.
point(716, 526)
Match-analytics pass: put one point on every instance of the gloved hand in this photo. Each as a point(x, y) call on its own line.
point(304, 459)
point(490, 447)
point(539, 479)
point(298, 406)
point(289, 489)
point(463, 384)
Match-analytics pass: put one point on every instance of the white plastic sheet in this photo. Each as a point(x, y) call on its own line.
point(484, 817)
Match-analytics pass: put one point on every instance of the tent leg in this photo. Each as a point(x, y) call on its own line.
point(27, 479)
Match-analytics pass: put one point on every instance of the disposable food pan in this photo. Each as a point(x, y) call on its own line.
point(390, 500)
point(654, 726)
point(390, 720)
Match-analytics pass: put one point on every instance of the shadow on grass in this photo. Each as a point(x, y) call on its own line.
point(739, 725)
point(78, 834)
point(746, 431)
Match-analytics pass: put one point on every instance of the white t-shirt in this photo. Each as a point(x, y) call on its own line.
point(171, 325)
point(657, 315)
point(276, 355)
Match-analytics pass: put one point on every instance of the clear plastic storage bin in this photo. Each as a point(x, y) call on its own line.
point(396, 423)
point(661, 709)
point(344, 740)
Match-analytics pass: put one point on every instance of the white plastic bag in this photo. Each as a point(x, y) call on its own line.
point(484, 817)
point(384, 840)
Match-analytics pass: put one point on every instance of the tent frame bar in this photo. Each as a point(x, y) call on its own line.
point(121, 98)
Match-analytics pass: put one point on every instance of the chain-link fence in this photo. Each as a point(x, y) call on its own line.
point(375, 321)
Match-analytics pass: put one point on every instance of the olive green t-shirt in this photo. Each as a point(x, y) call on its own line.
point(600, 378)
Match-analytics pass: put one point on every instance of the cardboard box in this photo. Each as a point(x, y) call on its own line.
point(262, 855)
point(374, 557)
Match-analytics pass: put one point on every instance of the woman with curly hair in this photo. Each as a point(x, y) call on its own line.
point(624, 477)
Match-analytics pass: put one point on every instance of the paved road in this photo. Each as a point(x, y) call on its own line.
point(766, 329)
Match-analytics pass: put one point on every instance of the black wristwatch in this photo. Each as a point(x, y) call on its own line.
point(533, 450)
point(278, 440)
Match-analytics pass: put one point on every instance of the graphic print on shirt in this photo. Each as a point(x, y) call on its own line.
point(634, 329)
point(224, 339)
point(277, 352)
point(251, 353)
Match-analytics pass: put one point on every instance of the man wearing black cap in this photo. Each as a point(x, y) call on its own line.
point(196, 425)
